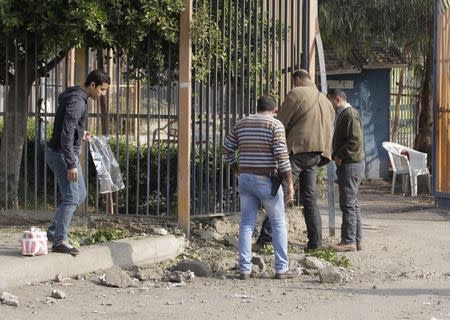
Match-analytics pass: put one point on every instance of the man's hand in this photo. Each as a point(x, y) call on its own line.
point(72, 174)
point(86, 135)
point(338, 161)
point(289, 196)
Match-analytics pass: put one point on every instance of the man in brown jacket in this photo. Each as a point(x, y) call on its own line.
point(307, 116)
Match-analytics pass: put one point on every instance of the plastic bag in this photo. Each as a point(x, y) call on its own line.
point(34, 242)
point(108, 170)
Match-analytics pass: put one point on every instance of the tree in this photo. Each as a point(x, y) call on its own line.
point(36, 35)
point(406, 24)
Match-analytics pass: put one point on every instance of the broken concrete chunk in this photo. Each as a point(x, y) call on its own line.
point(314, 263)
point(58, 294)
point(200, 268)
point(259, 261)
point(160, 231)
point(330, 274)
point(9, 299)
point(50, 300)
point(116, 277)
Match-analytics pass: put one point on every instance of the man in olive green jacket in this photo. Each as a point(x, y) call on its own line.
point(307, 116)
point(348, 154)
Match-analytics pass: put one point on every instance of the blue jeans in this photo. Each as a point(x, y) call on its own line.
point(255, 190)
point(73, 193)
point(349, 178)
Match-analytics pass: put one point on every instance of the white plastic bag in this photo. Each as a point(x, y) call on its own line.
point(108, 171)
point(34, 242)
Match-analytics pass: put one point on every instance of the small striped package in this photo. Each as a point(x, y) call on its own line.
point(34, 242)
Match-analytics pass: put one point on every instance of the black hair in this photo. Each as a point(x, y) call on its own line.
point(333, 93)
point(302, 74)
point(98, 76)
point(266, 103)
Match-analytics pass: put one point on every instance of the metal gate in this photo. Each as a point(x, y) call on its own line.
point(252, 48)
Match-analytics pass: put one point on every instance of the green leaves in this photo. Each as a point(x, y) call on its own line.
point(91, 236)
point(128, 27)
point(346, 24)
point(331, 256)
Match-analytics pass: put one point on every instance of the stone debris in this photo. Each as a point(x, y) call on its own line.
point(58, 294)
point(314, 263)
point(208, 235)
point(330, 274)
point(58, 278)
point(116, 277)
point(175, 285)
point(259, 261)
point(50, 300)
point(228, 225)
point(200, 268)
point(243, 296)
point(180, 276)
point(225, 264)
point(160, 231)
point(147, 274)
point(144, 289)
point(170, 303)
point(231, 241)
point(9, 299)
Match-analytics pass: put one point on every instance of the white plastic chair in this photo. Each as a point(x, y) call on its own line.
point(408, 161)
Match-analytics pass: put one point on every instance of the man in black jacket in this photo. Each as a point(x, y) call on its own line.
point(63, 153)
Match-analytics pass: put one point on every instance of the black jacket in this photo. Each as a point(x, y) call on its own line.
point(70, 121)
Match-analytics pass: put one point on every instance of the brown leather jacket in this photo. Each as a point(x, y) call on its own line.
point(308, 117)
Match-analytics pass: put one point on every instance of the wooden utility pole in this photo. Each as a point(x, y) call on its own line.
point(184, 120)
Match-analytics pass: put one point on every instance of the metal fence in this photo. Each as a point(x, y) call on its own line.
point(255, 47)
point(251, 48)
point(407, 97)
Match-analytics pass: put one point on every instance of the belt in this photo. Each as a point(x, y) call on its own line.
point(257, 171)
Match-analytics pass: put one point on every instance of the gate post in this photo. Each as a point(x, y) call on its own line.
point(184, 120)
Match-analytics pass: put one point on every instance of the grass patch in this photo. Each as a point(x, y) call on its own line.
point(267, 249)
point(330, 256)
point(85, 237)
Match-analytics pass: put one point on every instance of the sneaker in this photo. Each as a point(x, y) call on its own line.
point(344, 247)
point(359, 246)
point(289, 274)
point(66, 248)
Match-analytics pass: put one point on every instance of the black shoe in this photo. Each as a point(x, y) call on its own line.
point(65, 248)
point(289, 274)
point(245, 276)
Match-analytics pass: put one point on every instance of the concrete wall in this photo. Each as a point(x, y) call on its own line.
point(370, 96)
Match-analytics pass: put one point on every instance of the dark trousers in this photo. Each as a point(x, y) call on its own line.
point(349, 178)
point(304, 167)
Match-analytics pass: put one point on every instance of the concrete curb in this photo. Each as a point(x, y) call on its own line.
point(16, 271)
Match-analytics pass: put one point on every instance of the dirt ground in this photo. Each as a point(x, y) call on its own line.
point(402, 273)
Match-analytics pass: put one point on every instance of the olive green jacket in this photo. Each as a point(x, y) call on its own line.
point(348, 142)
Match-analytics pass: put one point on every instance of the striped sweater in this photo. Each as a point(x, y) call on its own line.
point(260, 142)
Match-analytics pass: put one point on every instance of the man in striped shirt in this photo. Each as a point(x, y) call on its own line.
point(260, 141)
